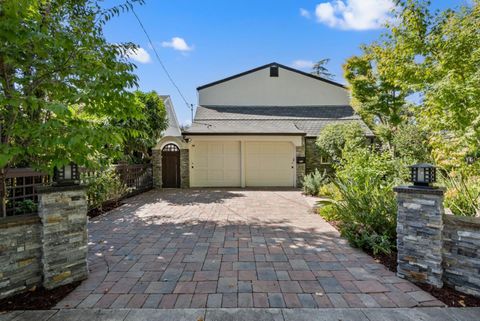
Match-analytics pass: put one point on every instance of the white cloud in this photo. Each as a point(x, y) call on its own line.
point(305, 13)
point(354, 14)
point(140, 55)
point(303, 64)
point(177, 43)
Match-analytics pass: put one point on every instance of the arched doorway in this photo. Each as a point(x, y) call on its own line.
point(171, 166)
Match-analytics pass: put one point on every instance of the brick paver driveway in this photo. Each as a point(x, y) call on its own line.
point(230, 248)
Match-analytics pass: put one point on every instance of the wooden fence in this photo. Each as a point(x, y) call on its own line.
point(21, 185)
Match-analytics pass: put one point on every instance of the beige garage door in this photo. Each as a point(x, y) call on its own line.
point(269, 164)
point(215, 164)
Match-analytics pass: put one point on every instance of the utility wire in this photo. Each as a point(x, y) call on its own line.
point(189, 106)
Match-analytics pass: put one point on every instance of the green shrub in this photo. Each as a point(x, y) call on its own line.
point(106, 186)
point(463, 194)
point(328, 212)
point(335, 138)
point(25, 207)
point(329, 190)
point(367, 209)
point(313, 181)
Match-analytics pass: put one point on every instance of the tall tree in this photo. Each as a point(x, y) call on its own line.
point(320, 69)
point(434, 58)
point(451, 88)
point(63, 87)
point(144, 133)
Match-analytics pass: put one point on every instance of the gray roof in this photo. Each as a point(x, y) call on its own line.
point(173, 128)
point(289, 120)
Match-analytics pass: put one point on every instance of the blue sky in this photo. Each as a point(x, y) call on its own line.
point(219, 38)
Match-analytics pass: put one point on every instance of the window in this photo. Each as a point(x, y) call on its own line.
point(274, 71)
point(324, 160)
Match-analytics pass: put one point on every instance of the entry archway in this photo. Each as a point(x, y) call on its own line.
point(170, 166)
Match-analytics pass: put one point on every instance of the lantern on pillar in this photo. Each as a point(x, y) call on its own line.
point(423, 174)
point(66, 175)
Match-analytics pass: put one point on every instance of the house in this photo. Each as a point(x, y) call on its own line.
point(256, 128)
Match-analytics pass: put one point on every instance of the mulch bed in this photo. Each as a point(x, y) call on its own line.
point(38, 299)
point(447, 295)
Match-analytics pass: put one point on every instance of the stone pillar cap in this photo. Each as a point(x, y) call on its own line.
point(420, 190)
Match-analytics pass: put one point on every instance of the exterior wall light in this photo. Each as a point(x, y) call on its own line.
point(66, 175)
point(423, 175)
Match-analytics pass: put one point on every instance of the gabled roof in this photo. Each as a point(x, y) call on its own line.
point(273, 120)
point(273, 64)
point(173, 128)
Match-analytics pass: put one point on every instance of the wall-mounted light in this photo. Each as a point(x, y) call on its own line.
point(186, 139)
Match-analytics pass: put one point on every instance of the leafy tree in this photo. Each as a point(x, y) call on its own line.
point(434, 58)
point(319, 69)
point(451, 89)
point(411, 144)
point(386, 74)
point(335, 138)
point(143, 134)
point(63, 87)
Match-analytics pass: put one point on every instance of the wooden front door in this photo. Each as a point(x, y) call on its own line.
point(170, 166)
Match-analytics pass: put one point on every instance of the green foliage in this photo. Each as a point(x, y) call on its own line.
point(463, 194)
point(328, 212)
point(63, 87)
point(330, 190)
point(334, 138)
point(451, 85)
point(143, 134)
point(313, 182)
point(320, 69)
point(411, 144)
point(367, 209)
point(106, 186)
point(423, 71)
point(25, 207)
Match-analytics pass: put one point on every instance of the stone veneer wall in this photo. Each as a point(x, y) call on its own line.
point(419, 234)
point(157, 167)
point(300, 168)
point(184, 168)
point(435, 248)
point(461, 253)
point(63, 211)
point(49, 249)
point(312, 157)
point(20, 254)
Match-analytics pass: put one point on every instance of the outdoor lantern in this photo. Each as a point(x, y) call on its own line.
point(66, 175)
point(423, 174)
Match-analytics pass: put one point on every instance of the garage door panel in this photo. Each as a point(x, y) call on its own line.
point(216, 164)
point(269, 164)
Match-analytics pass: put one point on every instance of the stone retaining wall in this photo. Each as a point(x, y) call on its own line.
point(435, 248)
point(20, 254)
point(461, 253)
point(49, 249)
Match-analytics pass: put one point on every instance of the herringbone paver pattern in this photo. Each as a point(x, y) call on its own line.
point(230, 248)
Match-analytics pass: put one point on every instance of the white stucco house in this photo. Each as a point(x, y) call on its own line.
point(256, 128)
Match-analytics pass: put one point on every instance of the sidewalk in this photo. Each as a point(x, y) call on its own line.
point(413, 314)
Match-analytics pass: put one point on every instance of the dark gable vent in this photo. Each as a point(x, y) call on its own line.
point(274, 71)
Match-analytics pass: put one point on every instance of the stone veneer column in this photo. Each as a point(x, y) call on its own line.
point(419, 234)
point(63, 212)
point(184, 168)
point(300, 152)
point(157, 167)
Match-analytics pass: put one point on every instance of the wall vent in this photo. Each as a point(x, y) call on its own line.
point(274, 71)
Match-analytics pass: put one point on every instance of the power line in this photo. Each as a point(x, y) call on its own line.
point(189, 106)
